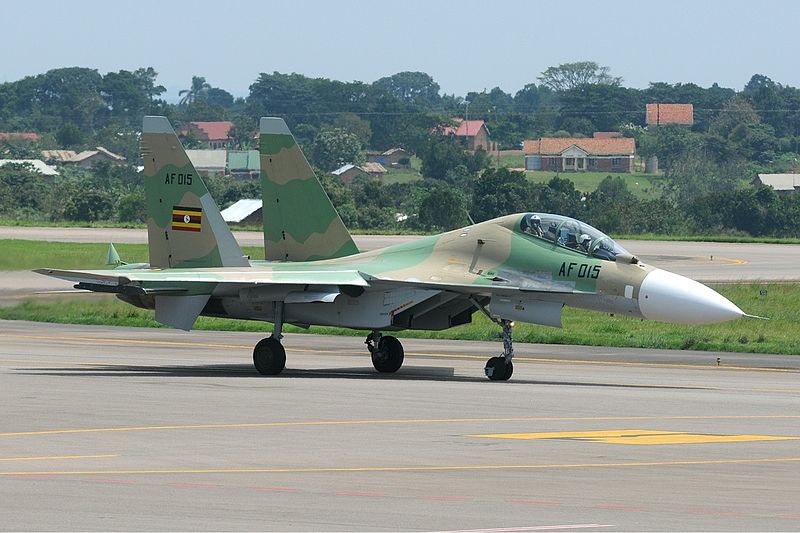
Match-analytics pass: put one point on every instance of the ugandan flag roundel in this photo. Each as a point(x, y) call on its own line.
point(186, 218)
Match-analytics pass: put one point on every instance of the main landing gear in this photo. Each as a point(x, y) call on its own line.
point(387, 352)
point(269, 356)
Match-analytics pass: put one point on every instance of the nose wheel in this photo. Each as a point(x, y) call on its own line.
point(501, 368)
point(387, 352)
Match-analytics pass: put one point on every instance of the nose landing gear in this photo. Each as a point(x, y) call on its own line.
point(501, 368)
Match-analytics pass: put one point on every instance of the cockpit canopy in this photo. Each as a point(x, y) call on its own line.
point(572, 234)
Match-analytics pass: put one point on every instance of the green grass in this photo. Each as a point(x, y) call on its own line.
point(707, 238)
point(778, 335)
point(27, 255)
point(401, 175)
point(69, 223)
point(404, 175)
point(641, 185)
point(511, 161)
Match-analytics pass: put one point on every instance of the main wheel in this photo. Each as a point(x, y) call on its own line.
point(269, 357)
point(497, 369)
point(388, 357)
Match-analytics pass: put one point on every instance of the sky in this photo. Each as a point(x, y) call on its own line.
point(465, 45)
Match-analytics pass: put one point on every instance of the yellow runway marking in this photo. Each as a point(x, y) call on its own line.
point(57, 457)
point(148, 342)
point(443, 468)
point(730, 260)
point(397, 422)
point(636, 436)
point(100, 340)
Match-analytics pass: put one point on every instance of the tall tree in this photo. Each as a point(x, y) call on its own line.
point(570, 75)
point(197, 90)
point(411, 88)
point(334, 147)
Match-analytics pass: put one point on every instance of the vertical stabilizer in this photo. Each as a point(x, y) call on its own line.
point(184, 226)
point(300, 222)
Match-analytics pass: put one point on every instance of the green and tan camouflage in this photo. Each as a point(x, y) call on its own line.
point(300, 222)
point(184, 227)
point(521, 267)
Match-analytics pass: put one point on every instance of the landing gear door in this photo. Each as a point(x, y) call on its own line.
point(527, 310)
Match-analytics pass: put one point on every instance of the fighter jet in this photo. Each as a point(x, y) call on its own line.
point(523, 267)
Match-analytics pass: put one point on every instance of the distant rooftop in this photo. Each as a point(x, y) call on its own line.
point(38, 165)
point(241, 210)
point(7, 135)
point(208, 159)
point(86, 154)
point(464, 128)
point(670, 114)
point(781, 182)
point(342, 169)
point(215, 131)
point(556, 145)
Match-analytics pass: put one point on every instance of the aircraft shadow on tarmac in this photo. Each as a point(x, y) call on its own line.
point(407, 373)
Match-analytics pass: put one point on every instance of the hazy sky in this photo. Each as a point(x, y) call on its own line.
point(465, 45)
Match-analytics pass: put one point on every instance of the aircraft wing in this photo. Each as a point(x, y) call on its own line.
point(196, 281)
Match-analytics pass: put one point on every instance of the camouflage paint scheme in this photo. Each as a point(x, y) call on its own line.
point(432, 283)
point(300, 222)
point(171, 181)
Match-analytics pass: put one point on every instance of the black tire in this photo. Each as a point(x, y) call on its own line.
point(269, 357)
point(388, 357)
point(498, 370)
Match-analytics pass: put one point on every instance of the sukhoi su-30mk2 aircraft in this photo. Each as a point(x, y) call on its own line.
point(523, 267)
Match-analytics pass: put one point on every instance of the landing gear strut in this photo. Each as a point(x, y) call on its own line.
point(501, 368)
point(269, 356)
point(387, 352)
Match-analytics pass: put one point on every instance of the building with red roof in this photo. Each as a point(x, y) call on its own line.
point(565, 154)
point(216, 135)
point(658, 114)
point(473, 134)
point(8, 136)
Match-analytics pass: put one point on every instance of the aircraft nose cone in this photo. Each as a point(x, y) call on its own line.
point(668, 297)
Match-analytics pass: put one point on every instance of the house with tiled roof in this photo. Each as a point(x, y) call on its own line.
point(565, 154)
point(58, 156)
point(660, 114)
point(473, 134)
point(346, 173)
point(87, 158)
point(217, 135)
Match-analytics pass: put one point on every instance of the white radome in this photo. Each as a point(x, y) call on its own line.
point(668, 297)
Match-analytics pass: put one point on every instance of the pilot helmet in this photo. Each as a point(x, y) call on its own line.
point(585, 239)
point(535, 220)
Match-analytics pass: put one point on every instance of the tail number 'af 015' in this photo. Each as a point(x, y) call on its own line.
point(581, 270)
point(178, 178)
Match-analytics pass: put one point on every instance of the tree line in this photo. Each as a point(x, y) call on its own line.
point(736, 134)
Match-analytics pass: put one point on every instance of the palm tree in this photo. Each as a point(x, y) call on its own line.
point(199, 87)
